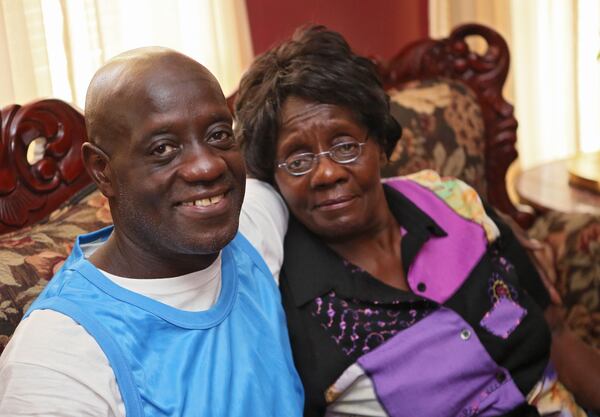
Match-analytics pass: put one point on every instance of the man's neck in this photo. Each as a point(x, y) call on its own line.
point(119, 256)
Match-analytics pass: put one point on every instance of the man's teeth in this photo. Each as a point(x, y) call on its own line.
point(204, 202)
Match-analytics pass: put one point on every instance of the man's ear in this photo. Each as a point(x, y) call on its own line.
point(97, 164)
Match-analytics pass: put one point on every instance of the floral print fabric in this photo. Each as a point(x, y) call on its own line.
point(462, 198)
point(575, 241)
point(442, 129)
point(31, 256)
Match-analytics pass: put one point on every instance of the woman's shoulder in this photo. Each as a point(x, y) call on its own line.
point(455, 193)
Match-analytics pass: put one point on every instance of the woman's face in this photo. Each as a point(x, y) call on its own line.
point(334, 201)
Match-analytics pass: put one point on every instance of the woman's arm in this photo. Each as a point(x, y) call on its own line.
point(577, 364)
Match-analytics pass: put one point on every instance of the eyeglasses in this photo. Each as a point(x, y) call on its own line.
point(303, 163)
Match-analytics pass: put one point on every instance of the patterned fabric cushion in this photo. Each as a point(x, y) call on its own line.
point(30, 257)
point(575, 240)
point(443, 130)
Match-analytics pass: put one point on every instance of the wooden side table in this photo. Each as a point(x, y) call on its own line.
point(584, 171)
point(546, 187)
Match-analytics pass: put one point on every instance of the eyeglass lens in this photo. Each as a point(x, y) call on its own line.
point(342, 153)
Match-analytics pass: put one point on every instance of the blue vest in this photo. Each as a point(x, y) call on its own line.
point(231, 360)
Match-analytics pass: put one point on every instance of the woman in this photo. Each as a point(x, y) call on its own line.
point(403, 298)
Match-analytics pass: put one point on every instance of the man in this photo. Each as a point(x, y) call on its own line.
point(169, 313)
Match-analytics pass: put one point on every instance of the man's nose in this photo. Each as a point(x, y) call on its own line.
point(200, 163)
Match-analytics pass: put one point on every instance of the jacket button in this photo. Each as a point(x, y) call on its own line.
point(421, 287)
point(465, 334)
point(500, 376)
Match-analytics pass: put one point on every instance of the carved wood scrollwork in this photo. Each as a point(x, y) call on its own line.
point(485, 75)
point(29, 192)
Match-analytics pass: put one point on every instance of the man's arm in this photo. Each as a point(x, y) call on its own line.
point(263, 221)
point(53, 367)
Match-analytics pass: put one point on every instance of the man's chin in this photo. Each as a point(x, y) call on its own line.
point(209, 243)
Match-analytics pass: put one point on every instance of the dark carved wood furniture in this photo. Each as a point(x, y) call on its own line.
point(28, 193)
point(485, 75)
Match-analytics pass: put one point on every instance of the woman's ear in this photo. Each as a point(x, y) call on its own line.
point(383, 159)
point(97, 164)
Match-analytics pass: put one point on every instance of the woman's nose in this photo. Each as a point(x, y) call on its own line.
point(326, 172)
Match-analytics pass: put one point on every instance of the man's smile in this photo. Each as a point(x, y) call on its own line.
point(215, 203)
point(204, 202)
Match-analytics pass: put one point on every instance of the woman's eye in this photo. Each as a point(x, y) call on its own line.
point(296, 163)
point(300, 162)
point(163, 149)
point(346, 148)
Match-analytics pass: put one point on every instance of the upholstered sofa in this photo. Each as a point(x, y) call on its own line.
point(455, 119)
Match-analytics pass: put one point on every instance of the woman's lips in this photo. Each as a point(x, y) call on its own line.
point(335, 203)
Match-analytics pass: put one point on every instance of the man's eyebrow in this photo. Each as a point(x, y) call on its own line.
point(159, 130)
point(220, 117)
point(215, 117)
point(163, 129)
point(145, 139)
point(155, 132)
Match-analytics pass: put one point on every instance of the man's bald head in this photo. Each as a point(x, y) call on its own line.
point(124, 80)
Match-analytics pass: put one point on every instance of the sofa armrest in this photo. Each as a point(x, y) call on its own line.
point(31, 191)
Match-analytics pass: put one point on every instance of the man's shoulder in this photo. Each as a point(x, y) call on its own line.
point(52, 363)
point(241, 245)
point(46, 338)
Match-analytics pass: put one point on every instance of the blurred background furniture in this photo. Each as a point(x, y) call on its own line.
point(447, 98)
point(584, 171)
point(550, 186)
point(566, 197)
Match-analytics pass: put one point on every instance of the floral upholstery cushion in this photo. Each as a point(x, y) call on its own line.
point(29, 257)
point(575, 240)
point(442, 129)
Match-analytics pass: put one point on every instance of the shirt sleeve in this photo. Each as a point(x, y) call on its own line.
point(53, 367)
point(529, 278)
point(263, 221)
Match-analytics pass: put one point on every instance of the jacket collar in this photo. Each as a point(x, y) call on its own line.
point(312, 269)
